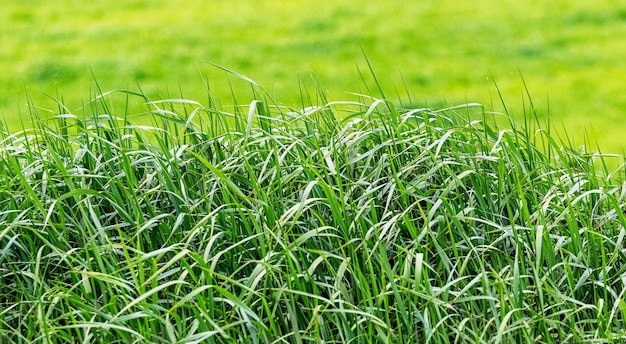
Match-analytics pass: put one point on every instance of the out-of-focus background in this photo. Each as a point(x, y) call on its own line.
point(570, 53)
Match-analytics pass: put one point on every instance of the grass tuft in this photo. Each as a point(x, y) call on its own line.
point(356, 221)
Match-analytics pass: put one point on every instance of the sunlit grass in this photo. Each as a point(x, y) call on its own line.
point(340, 221)
point(570, 52)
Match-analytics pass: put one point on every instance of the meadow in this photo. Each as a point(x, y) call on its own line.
point(570, 53)
point(353, 174)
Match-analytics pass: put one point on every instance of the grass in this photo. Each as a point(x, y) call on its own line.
point(570, 52)
point(342, 221)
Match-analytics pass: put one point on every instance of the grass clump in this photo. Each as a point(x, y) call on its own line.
point(347, 222)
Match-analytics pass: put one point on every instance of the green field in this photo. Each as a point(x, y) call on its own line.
point(570, 53)
point(148, 195)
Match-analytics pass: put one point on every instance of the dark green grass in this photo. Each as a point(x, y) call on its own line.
point(346, 222)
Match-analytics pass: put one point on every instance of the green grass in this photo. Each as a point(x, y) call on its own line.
point(571, 53)
point(343, 221)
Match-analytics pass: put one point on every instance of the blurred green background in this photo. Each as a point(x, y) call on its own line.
point(570, 53)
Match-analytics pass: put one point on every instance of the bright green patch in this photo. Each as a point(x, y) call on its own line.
point(570, 53)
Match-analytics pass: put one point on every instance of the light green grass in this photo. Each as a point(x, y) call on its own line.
point(348, 221)
point(571, 53)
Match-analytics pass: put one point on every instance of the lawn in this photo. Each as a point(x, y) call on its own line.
point(570, 53)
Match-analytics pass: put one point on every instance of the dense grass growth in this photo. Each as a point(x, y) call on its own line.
point(354, 222)
point(571, 53)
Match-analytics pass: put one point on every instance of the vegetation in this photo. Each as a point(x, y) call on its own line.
point(571, 53)
point(142, 216)
point(343, 221)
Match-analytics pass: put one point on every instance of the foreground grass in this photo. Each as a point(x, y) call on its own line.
point(271, 225)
